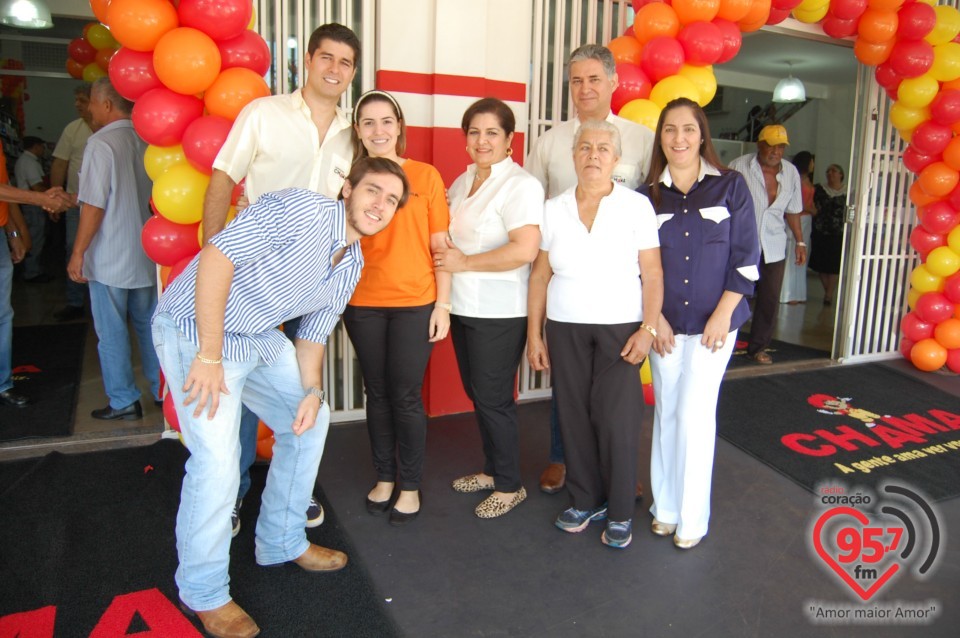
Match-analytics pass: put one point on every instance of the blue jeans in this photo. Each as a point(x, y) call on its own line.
point(36, 219)
point(76, 293)
point(212, 471)
point(110, 307)
point(6, 316)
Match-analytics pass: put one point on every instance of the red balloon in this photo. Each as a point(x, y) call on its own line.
point(702, 42)
point(784, 5)
point(938, 218)
point(915, 161)
point(177, 269)
point(951, 288)
point(915, 328)
point(911, 58)
point(838, 28)
point(848, 9)
point(634, 85)
point(170, 411)
point(662, 57)
point(886, 76)
point(933, 307)
point(202, 141)
point(132, 73)
point(238, 191)
point(219, 19)
point(161, 116)
point(731, 39)
point(777, 15)
point(81, 51)
point(906, 345)
point(167, 243)
point(915, 20)
point(945, 108)
point(953, 360)
point(923, 242)
point(247, 50)
point(931, 138)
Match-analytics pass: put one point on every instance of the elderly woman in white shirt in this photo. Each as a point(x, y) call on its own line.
point(599, 283)
point(495, 211)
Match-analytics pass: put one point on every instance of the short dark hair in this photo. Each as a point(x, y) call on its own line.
point(380, 166)
point(503, 113)
point(82, 89)
point(337, 33)
point(30, 141)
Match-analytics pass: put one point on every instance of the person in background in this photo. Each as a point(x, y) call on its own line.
point(30, 176)
point(598, 282)
point(708, 243)
point(827, 237)
point(592, 75)
point(794, 290)
point(298, 140)
point(65, 173)
point(401, 307)
point(774, 185)
point(114, 205)
point(496, 208)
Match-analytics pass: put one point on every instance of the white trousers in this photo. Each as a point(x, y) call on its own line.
point(686, 384)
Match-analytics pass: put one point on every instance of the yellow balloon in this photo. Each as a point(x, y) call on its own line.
point(931, 3)
point(925, 281)
point(100, 37)
point(812, 16)
point(672, 87)
point(946, 27)
point(907, 118)
point(157, 159)
point(702, 78)
point(231, 215)
point(643, 112)
point(93, 72)
point(942, 261)
point(912, 296)
point(946, 62)
point(812, 5)
point(905, 135)
point(178, 194)
point(253, 18)
point(953, 239)
point(646, 375)
point(918, 92)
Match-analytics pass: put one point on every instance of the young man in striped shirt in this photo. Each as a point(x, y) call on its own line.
point(293, 253)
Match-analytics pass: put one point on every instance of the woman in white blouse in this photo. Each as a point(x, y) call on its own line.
point(495, 212)
point(599, 283)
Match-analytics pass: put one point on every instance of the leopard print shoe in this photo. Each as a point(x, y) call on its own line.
point(470, 483)
point(492, 507)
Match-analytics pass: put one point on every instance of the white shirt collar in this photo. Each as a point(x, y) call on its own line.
point(706, 168)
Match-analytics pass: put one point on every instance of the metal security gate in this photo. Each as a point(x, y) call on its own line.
point(878, 258)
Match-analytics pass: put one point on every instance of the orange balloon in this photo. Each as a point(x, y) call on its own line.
point(920, 198)
point(103, 58)
point(693, 10)
point(938, 179)
point(878, 26)
point(139, 24)
point(186, 60)
point(75, 69)
point(164, 275)
point(232, 90)
point(655, 19)
point(756, 17)
point(626, 49)
point(885, 5)
point(263, 431)
point(734, 10)
point(100, 9)
point(952, 85)
point(870, 53)
point(947, 333)
point(928, 355)
point(265, 446)
point(951, 154)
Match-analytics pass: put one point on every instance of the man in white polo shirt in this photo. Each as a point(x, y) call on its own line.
point(592, 73)
point(299, 140)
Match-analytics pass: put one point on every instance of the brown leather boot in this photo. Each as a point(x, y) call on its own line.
point(553, 478)
point(321, 559)
point(226, 621)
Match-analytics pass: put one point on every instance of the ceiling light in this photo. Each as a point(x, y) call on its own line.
point(789, 89)
point(26, 14)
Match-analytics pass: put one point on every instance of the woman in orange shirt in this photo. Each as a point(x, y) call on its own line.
point(401, 307)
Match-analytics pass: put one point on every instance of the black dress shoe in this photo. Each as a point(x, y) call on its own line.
point(378, 508)
point(14, 400)
point(398, 518)
point(130, 413)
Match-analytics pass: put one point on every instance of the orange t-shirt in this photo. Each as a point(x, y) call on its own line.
point(4, 179)
point(398, 266)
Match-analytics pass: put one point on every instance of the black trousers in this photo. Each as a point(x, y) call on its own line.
point(488, 353)
point(766, 305)
point(600, 401)
point(393, 350)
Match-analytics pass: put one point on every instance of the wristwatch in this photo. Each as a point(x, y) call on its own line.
point(317, 392)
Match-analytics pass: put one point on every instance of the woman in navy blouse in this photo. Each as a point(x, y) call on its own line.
point(710, 250)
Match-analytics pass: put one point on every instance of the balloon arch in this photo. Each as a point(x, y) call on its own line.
point(191, 66)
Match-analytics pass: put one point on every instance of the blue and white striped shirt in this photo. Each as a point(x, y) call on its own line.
point(281, 248)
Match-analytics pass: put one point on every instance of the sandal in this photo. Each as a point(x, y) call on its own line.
point(760, 357)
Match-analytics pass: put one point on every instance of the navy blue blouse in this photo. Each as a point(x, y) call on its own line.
point(708, 244)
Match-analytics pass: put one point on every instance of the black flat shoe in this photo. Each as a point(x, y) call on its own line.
point(12, 399)
point(398, 519)
point(130, 413)
point(378, 508)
